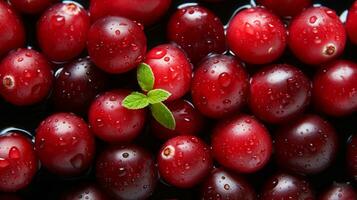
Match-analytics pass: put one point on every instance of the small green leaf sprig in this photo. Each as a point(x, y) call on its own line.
point(153, 98)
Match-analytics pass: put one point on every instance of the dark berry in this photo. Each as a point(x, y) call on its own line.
point(32, 6)
point(352, 157)
point(339, 191)
point(351, 23)
point(87, 191)
point(286, 8)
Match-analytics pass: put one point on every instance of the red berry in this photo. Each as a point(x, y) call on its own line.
point(224, 185)
point(351, 23)
point(26, 77)
point(339, 192)
point(31, 7)
point(188, 121)
point(111, 122)
point(64, 144)
point(184, 161)
point(286, 8)
point(85, 192)
point(352, 157)
point(307, 145)
point(284, 187)
point(62, 31)
point(242, 144)
point(128, 172)
point(172, 69)
point(279, 93)
point(143, 11)
point(317, 35)
point(18, 162)
point(198, 31)
point(116, 44)
point(219, 86)
point(256, 36)
point(335, 88)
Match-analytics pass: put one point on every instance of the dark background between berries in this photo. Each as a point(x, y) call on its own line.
point(48, 186)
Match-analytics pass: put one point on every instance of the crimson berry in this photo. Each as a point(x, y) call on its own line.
point(26, 77)
point(286, 8)
point(224, 185)
point(112, 122)
point(85, 192)
point(284, 186)
point(335, 88)
point(18, 162)
point(317, 35)
point(116, 44)
point(279, 93)
point(144, 11)
point(188, 121)
point(171, 68)
point(31, 7)
point(62, 31)
point(198, 31)
point(339, 192)
point(256, 36)
point(307, 145)
point(64, 144)
point(242, 144)
point(77, 84)
point(351, 23)
point(352, 156)
point(12, 31)
point(219, 86)
point(184, 161)
point(128, 172)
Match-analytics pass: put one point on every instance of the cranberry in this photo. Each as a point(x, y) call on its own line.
point(351, 23)
point(31, 7)
point(219, 86)
point(279, 93)
point(339, 192)
point(12, 31)
point(26, 77)
point(128, 172)
point(18, 162)
point(198, 31)
point(224, 185)
point(317, 35)
point(284, 186)
point(85, 192)
point(286, 8)
point(64, 144)
point(62, 31)
point(77, 85)
point(352, 156)
point(256, 36)
point(144, 11)
point(184, 161)
point(171, 68)
point(307, 145)
point(241, 143)
point(335, 88)
point(188, 121)
point(111, 122)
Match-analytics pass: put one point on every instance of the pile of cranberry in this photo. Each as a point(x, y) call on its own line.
point(157, 99)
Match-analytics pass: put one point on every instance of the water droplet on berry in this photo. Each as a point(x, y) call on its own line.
point(14, 153)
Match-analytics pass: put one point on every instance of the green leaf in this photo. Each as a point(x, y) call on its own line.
point(145, 77)
point(158, 95)
point(135, 100)
point(163, 115)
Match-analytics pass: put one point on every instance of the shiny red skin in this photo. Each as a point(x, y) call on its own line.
point(18, 162)
point(284, 186)
point(198, 31)
point(351, 23)
point(116, 44)
point(62, 31)
point(307, 145)
point(317, 35)
point(31, 7)
point(286, 8)
point(242, 144)
point(128, 172)
point(188, 121)
point(143, 11)
point(226, 186)
point(335, 88)
point(279, 93)
point(256, 36)
point(12, 30)
point(219, 86)
point(26, 77)
point(77, 85)
point(339, 192)
point(113, 123)
point(65, 144)
point(171, 68)
point(86, 191)
point(184, 161)
point(352, 157)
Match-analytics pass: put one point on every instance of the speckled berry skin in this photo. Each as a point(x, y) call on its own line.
point(351, 23)
point(31, 7)
point(86, 191)
point(339, 191)
point(286, 8)
point(351, 158)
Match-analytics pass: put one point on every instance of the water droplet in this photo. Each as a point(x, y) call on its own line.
point(226, 186)
point(225, 79)
point(117, 32)
point(14, 153)
point(125, 155)
point(312, 19)
point(58, 20)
